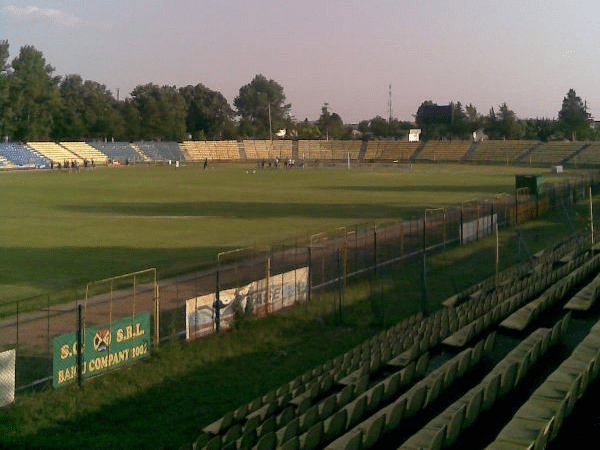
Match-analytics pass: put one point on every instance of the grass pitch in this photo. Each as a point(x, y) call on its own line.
point(60, 230)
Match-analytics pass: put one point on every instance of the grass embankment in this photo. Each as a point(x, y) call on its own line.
point(167, 399)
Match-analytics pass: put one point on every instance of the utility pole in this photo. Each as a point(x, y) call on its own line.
point(270, 124)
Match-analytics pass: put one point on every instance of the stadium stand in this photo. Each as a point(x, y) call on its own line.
point(197, 151)
point(226, 150)
point(523, 317)
point(371, 391)
point(282, 148)
point(390, 150)
point(328, 150)
point(54, 152)
point(140, 153)
point(539, 419)
point(589, 155)
point(160, 151)
point(85, 151)
point(552, 152)
point(21, 156)
point(444, 150)
point(501, 151)
point(266, 149)
point(5, 163)
point(116, 151)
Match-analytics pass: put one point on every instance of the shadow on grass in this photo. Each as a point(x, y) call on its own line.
point(432, 188)
point(173, 412)
point(58, 268)
point(249, 210)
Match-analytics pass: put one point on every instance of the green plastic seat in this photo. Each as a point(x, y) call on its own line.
point(415, 399)
point(394, 414)
point(289, 431)
point(247, 441)
point(356, 410)
point(392, 385)
point(491, 390)
point(313, 437)
point(474, 400)
point(430, 439)
point(434, 386)
point(372, 430)
point(309, 418)
point(334, 426)
point(267, 442)
point(219, 426)
point(374, 397)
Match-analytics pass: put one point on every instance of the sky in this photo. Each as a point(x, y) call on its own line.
point(526, 53)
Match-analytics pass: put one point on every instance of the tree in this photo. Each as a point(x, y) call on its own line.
point(574, 116)
point(330, 124)
point(208, 112)
point(460, 126)
point(5, 110)
point(33, 95)
point(307, 130)
point(542, 129)
point(261, 106)
point(509, 125)
point(161, 111)
point(88, 109)
point(378, 127)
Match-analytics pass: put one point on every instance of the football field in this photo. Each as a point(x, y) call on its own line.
point(60, 230)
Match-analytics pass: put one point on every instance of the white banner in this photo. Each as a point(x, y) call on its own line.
point(285, 290)
point(476, 229)
point(7, 377)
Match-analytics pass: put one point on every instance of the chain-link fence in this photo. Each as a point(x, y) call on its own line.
point(332, 260)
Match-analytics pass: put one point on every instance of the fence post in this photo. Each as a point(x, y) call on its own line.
point(340, 285)
point(268, 282)
point(217, 306)
point(375, 250)
point(79, 345)
point(48, 340)
point(309, 296)
point(18, 325)
point(424, 296)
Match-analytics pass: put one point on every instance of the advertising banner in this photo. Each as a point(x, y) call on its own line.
point(104, 348)
point(285, 289)
point(7, 377)
point(476, 229)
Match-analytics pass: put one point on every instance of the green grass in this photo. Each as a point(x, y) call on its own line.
point(61, 230)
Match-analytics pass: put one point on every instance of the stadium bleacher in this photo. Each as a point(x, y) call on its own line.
point(369, 396)
point(443, 150)
point(85, 151)
point(589, 155)
point(501, 151)
point(54, 152)
point(116, 151)
point(552, 152)
point(160, 151)
point(390, 150)
point(39, 154)
point(21, 156)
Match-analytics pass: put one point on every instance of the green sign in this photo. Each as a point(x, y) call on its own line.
point(104, 348)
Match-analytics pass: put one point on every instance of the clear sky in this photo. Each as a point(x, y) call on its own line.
point(527, 53)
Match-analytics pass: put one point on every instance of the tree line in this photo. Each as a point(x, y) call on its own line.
point(35, 104)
